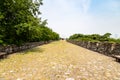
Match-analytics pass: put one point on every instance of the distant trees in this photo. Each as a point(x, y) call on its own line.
point(94, 38)
point(19, 22)
point(105, 37)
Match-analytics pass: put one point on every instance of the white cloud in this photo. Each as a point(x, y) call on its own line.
point(85, 4)
point(65, 17)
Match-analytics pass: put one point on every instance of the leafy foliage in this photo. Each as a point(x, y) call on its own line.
point(19, 22)
point(94, 38)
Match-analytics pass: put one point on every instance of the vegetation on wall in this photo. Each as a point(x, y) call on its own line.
point(19, 22)
point(94, 38)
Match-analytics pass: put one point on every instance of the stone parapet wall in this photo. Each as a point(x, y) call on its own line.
point(108, 49)
point(13, 48)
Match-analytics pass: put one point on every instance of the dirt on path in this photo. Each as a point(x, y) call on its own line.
point(59, 61)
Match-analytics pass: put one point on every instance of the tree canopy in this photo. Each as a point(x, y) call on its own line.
point(19, 22)
point(94, 38)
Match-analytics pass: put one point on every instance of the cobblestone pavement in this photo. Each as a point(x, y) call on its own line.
point(59, 61)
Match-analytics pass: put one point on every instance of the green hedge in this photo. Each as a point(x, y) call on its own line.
point(94, 38)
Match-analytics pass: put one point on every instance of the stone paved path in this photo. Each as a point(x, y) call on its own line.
point(59, 61)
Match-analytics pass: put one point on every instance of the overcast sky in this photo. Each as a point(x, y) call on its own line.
point(67, 17)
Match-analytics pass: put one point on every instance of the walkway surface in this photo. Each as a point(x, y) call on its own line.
point(59, 61)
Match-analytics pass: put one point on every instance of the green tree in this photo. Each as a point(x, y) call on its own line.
point(15, 13)
point(105, 37)
point(93, 37)
point(19, 22)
